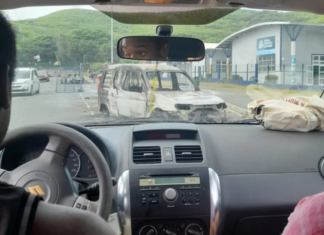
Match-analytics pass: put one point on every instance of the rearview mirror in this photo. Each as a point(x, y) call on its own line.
point(161, 48)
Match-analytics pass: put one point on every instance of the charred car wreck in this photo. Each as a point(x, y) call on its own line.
point(158, 92)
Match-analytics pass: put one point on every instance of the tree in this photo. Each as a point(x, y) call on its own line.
point(77, 36)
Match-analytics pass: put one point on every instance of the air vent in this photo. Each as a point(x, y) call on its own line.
point(188, 154)
point(146, 155)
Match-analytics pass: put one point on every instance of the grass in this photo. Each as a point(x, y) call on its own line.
point(222, 87)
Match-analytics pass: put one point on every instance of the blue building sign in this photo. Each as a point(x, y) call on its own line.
point(266, 46)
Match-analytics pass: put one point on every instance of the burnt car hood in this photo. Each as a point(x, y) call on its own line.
point(190, 97)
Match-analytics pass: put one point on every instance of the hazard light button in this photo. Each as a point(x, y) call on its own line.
point(167, 154)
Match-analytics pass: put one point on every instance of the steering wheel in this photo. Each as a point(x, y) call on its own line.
point(47, 176)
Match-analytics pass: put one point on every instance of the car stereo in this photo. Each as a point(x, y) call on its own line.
point(170, 201)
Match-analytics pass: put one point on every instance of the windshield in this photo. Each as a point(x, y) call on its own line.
point(170, 81)
point(250, 54)
point(19, 74)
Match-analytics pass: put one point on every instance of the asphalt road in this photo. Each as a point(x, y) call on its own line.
point(73, 107)
point(235, 99)
point(50, 106)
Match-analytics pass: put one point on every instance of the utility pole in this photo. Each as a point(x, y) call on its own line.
point(60, 56)
point(111, 40)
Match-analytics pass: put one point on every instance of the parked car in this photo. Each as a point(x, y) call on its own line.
point(162, 92)
point(26, 81)
point(43, 75)
point(77, 79)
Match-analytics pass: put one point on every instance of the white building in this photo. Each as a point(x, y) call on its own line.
point(214, 59)
point(294, 53)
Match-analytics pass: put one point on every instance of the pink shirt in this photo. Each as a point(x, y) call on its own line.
point(308, 217)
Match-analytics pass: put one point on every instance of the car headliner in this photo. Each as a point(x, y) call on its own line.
point(124, 6)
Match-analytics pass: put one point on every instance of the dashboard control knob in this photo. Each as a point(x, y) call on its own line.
point(148, 230)
point(170, 194)
point(171, 231)
point(194, 229)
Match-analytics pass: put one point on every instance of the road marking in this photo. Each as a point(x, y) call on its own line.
point(85, 101)
point(88, 106)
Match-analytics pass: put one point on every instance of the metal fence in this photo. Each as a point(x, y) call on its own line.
point(69, 79)
point(306, 77)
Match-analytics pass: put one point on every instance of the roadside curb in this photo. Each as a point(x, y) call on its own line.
point(241, 111)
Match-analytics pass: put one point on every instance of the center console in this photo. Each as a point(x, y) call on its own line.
point(169, 201)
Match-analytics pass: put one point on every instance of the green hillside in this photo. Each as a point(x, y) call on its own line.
point(83, 36)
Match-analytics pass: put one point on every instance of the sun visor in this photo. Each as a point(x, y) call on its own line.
point(163, 15)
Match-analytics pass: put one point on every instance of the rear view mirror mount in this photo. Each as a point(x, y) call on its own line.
point(161, 48)
point(164, 30)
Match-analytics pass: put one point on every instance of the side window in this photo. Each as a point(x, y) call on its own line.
point(123, 79)
point(184, 83)
point(134, 82)
point(115, 81)
point(107, 79)
point(36, 74)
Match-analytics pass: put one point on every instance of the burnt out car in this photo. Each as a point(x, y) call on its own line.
point(156, 91)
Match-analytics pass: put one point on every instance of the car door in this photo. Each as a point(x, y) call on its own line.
point(123, 95)
point(111, 99)
point(138, 95)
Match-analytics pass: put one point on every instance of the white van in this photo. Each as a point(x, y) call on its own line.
point(26, 81)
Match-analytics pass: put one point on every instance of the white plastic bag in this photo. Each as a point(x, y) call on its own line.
point(300, 113)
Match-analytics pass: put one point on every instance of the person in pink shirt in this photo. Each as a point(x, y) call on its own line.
point(308, 217)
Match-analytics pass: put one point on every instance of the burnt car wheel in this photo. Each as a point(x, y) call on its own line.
point(104, 110)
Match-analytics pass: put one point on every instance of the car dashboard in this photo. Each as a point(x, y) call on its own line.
point(176, 178)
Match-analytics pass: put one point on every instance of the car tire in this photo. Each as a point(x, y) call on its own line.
point(104, 110)
point(37, 92)
point(31, 93)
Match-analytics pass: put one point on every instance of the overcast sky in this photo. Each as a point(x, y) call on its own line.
point(35, 12)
